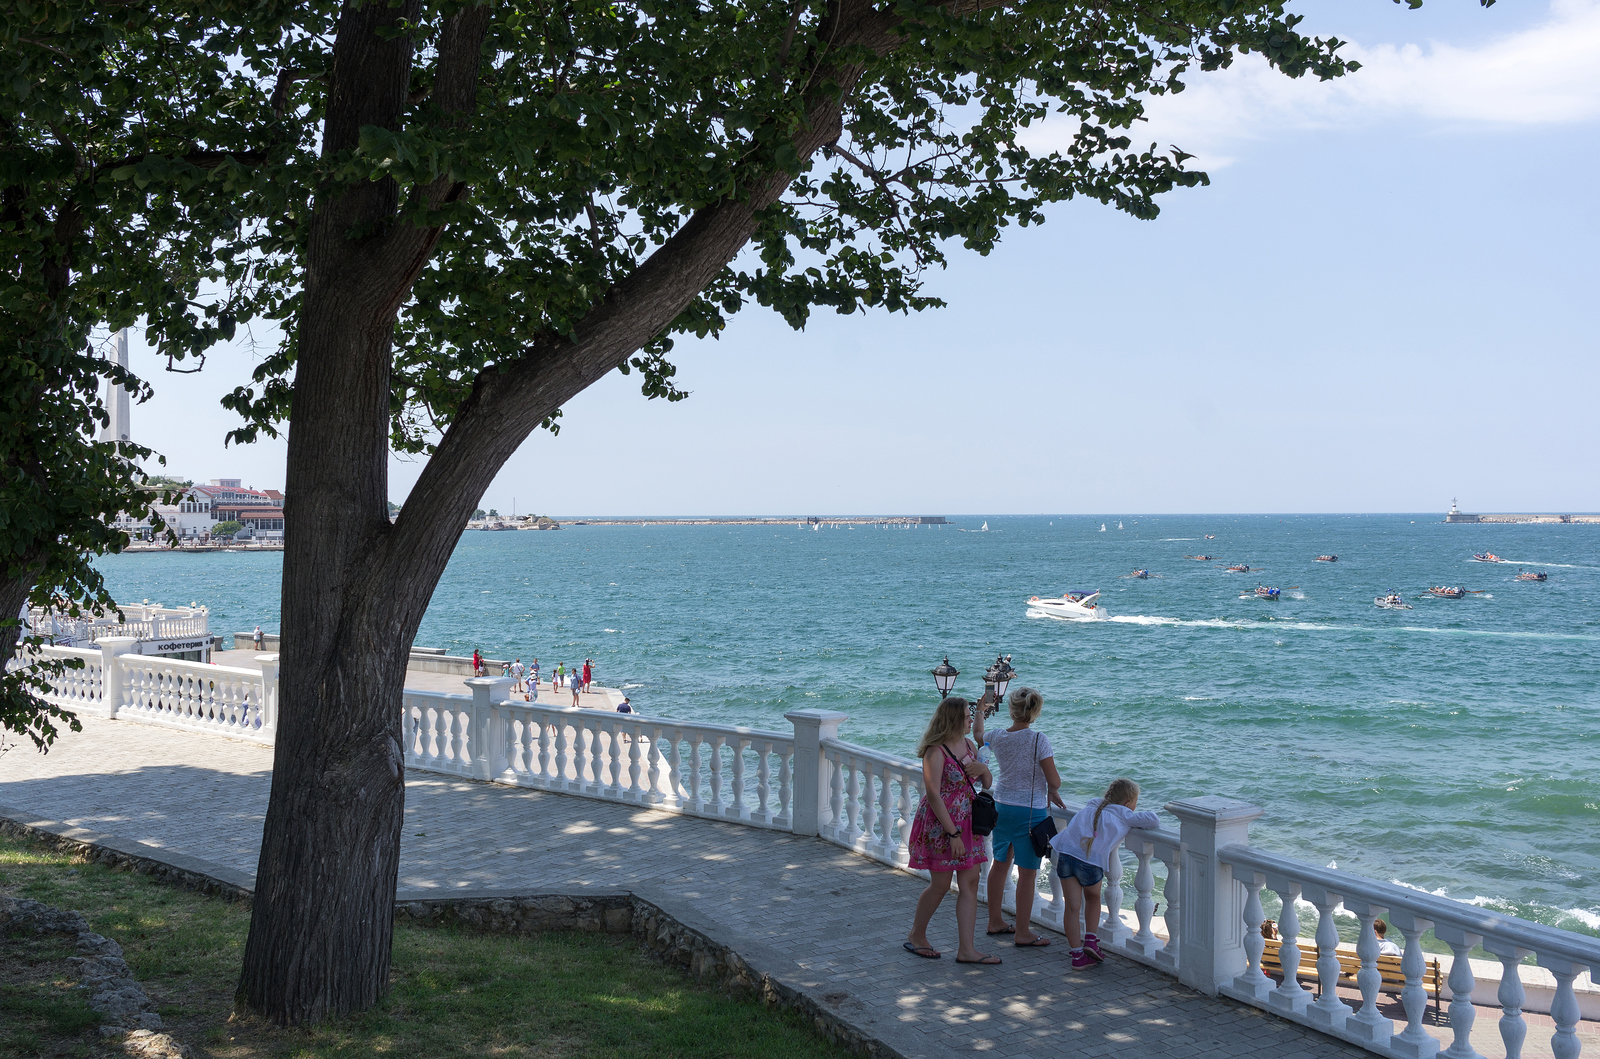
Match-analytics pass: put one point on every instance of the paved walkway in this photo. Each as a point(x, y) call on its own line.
point(840, 918)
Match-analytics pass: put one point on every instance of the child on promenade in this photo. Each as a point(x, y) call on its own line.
point(1086, 851)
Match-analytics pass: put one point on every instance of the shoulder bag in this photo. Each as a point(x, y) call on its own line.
point(1041, 833)
point(984, 813)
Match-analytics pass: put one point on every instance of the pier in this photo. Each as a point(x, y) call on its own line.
point(784, 520)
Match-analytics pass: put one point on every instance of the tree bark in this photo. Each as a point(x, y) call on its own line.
point(355, 587)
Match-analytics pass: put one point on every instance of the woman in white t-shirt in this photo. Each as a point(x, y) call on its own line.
point(1028, 785)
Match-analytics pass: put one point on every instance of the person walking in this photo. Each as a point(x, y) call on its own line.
point(1029, 784)
point(588, 672)
point(577, 686)
point(624, 706)
point(516, 676)
point(942, 841)
point(1086, 850)
point(561, 671)
point(533, 671)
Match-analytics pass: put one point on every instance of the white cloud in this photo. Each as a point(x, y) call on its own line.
point(1544, 75)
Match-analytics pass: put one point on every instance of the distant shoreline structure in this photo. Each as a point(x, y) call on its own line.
point(786, 520)
point(1456, 515)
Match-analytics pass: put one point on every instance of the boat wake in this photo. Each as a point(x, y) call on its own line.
point(1553, 566)
point(1274, 626)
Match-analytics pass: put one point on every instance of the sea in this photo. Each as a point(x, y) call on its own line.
point(1453, 747)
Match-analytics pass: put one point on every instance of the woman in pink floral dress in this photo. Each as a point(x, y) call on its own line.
point(941, 833)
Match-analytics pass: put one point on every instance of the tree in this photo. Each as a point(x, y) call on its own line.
point(109, 212)
point(473, 212)
point(226, 529)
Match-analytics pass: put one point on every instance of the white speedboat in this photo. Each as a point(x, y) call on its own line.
point(1391, 602)
point(1078, 605)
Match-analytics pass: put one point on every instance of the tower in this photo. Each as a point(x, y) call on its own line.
point(117, 428)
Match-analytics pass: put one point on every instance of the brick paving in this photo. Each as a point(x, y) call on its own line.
point(838, 918)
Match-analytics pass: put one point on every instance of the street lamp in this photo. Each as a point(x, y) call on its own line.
point(944, 676)
point(999, 676)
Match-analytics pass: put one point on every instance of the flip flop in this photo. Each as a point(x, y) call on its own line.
point(987, 960)
point(1038, 942)
point(926, 952)
point(993, 933)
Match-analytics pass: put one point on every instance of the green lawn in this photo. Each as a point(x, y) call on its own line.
point(454, 992)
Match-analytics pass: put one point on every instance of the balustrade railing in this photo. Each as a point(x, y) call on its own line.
point(1202, 883)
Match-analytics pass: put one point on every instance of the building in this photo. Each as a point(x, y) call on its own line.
point(1456, 515)
point(260, 520)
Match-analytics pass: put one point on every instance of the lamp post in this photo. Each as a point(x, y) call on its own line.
point(999, 676)
point(944, 677)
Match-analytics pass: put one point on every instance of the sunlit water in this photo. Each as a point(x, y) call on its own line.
point(1452, 747)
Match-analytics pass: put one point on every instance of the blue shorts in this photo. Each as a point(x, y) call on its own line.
point(1011, 832)
point(1071, 867)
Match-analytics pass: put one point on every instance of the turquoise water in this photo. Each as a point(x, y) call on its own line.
point(1451, 747)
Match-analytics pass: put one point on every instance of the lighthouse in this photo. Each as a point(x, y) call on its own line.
point(116, 428)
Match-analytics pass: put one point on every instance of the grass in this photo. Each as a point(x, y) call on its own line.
point(453, 992)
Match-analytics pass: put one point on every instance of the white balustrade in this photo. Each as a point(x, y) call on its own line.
point(195, 695)
point(872, 797)
point(78, 689)
point(1462, 927)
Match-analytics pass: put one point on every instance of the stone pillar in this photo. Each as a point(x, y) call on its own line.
point(487, 749)
point(811, 727)
point(113, 680)
point(269, 693)
point(1211, 951)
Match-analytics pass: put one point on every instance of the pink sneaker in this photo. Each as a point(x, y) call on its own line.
point(1081, 959)
point(1091, 945)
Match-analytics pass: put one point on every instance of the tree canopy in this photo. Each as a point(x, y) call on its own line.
point(465, 213)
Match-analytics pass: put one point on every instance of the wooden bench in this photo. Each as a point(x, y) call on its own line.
point(1393, 977)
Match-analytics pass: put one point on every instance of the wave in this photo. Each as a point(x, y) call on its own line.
point(1536, 562)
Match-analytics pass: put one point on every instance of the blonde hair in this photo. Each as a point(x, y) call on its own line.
point(1122, 791)
point(949, 721)
point(1026, 705)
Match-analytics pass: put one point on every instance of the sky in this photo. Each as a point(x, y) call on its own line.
point(1386, 299)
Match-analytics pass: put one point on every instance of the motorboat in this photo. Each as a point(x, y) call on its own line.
point(1532, 575)
point(1327, 558)
point(1487, 557)
point(1202, 558)
point(1211, 536)
point(1079, 605)
point(1447, 592)
point(1263, 592)
point(1391, 602)
point(1141, 574)
point(1238, 568)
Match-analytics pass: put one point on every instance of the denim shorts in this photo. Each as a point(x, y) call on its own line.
point(1071, 867)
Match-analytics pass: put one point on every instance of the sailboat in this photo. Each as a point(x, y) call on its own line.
point(1119, 525)
point(1102, 527)
point(985, 528)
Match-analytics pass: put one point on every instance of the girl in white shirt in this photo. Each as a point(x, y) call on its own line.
point(1087, 849)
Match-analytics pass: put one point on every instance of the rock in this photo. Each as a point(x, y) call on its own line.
point(89, 941)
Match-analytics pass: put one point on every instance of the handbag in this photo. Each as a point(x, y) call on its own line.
point(1041, 833)
point(984, 813)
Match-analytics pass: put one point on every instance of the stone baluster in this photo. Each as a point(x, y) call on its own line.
point(1169, 956)
point(270, 674)
point(1564, 1010)
point(458, 739)
point(1414, 1042)
point(740, 811)
point(1144, 901)
point(1290, 996)
point(836, 799)
point(718, 805)
point(1369, 1024)
point(1051, 899)
point(680, 796)
point(1461, 982)
point(563, 757)
point(852, 802)
point(1254, 981)
point(1112, 931)
point(616, 754)
point(888, 834)
point(1513, 1029)
point(695, 801)
point(636, 793)
point(532, 748)
point(763, 810)
point(1327, 1011)
point(594, 761)
point(653, 795)
point(786, 789)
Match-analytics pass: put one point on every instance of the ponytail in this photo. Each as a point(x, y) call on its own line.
point(1122, 791)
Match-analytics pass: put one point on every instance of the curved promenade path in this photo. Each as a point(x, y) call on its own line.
point(831, 922)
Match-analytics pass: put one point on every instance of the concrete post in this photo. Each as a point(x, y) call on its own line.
point(269, 693)
point(113, 680)
point(811, 727)
point(1211, 949)
point(487, 748)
